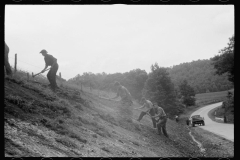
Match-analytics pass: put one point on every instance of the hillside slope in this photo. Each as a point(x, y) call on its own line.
point(71, 123)
point(200, 75)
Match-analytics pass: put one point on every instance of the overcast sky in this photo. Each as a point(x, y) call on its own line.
point(115, 38)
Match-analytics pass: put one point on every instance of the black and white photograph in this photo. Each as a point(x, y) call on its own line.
point(119, 80)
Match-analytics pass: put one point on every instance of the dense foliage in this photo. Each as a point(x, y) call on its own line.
point(159, 88)
point(200, 75)
point(224, 63)
point(134, 80)
point(187, 94)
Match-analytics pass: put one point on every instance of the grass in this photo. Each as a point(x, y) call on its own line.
point(95, 127)
point(109, 118)
point(22, 75)
point(47, 108)
point(66, 142)
point(16, 150)
point(61, 113)
point(220, 114)
point(75, 136)
point(213, 97)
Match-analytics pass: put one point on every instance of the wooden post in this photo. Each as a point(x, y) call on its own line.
point(27, 76)
point(32, 74)
point(15, 64)
point(60, 75)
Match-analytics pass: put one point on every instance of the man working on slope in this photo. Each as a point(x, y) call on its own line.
point(125, 95)
point(126, 101)
point(6, 63)
point(162, 119)
point(50, 61)
point(148, 110)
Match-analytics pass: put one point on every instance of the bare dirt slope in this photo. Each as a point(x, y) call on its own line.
point(72, 123)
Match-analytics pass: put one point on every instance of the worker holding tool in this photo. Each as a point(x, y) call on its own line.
point(125, 109)
point(147, 104)
point(162, 119)
point(122, 92)
point(50, 61)
point(6, 63)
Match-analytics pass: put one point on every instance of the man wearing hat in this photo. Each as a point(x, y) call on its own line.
point(122, 92)
point(126, 101)
point(50, 61)
point(162, 119)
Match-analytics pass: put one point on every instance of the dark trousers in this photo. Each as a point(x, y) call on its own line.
point(6, 64)
point(151, 112)
point(126, 101)
point(52, 75)
point(125, 108)
point(161, 126)
point(177, 119)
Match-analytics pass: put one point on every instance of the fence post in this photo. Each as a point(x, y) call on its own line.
point(60, 75)
point(27, 76)
point(15, 64)
point(32, 74)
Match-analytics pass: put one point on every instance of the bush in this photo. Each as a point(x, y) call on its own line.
point(189, 101)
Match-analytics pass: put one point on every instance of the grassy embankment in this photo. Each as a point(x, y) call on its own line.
point(78, 123)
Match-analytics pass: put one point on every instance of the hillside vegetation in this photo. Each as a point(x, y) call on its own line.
point(75, 123)
point(213, 97)
point(201, 76)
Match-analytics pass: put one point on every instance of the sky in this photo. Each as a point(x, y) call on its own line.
point(115, 38)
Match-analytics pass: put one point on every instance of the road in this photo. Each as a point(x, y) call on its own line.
point(221, 129)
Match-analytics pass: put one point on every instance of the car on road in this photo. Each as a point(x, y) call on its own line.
point(197, 119)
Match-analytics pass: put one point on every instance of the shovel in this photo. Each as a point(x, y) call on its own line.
point(40, 73)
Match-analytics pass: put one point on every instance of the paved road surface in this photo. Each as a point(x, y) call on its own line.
point(221, 129)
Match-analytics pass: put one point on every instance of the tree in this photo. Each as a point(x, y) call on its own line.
point(187, 93)
point(200, 75)
point(224, 63)
point(134, 80)
point(159, 88)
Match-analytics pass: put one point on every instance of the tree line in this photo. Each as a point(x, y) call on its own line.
point(174, 87)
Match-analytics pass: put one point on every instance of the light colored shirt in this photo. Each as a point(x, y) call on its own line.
point(147, 105)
